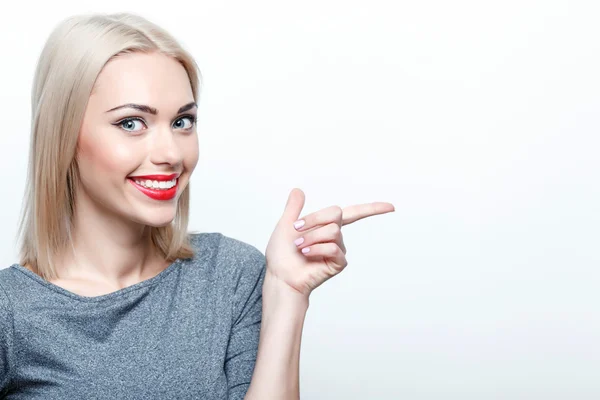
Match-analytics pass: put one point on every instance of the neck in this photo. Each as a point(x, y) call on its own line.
point(107, 248)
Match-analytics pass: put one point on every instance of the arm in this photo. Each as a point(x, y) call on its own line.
point(290, 278)
point(244, 337)
point(276, 373)
point(262, 360)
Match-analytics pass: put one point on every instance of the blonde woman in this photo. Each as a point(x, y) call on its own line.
point(112, 297)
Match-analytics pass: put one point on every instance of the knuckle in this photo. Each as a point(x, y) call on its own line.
point(338, 211)
point(333, 249)
point(335, 228)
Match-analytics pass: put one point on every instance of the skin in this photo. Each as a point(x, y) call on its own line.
point(291, 277)
point(111, 214)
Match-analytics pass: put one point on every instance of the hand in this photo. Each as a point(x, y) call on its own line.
point(303, 272)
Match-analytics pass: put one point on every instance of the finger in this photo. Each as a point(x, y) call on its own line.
point(294, 205)
point(354, 213)
point(331, 252)
point(328, 233)
point(321, 217)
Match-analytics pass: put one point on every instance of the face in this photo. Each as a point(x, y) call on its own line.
point(135, 163)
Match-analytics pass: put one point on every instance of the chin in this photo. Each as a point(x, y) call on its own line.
point(155, 219)
point(158, 222)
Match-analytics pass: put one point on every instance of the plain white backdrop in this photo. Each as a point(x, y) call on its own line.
point(478, 120)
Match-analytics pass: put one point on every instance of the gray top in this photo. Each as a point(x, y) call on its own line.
point(190, 332)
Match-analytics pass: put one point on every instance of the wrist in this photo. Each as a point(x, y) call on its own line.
point(277, 292)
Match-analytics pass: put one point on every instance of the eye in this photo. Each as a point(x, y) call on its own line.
point(190, 118)
point(129, 123)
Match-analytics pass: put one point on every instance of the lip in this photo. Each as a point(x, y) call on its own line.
point(156, 194)
point(156, 177)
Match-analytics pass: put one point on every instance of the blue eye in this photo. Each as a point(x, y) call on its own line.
point(192, 120)
point(129, 122)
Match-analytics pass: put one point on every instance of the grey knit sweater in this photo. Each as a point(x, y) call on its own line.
point(191, 332)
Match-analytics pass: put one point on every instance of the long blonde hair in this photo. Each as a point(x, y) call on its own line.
point(73, 56)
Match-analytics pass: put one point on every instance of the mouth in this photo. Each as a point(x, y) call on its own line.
point(157, 187)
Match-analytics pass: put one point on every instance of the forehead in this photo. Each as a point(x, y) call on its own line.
point(147, 78)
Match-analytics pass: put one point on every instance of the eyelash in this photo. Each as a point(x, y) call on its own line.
point(193, 118)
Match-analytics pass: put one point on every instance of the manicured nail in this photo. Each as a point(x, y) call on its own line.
point(299, 241)
point(299, 224)
point(306, 250)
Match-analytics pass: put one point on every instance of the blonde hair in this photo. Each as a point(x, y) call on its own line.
point(73, 56)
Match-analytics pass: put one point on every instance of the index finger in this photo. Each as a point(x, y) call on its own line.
point(352, 214)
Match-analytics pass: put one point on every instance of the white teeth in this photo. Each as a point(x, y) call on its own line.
point(156, 184)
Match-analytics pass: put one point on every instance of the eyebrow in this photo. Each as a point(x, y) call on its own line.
point(152, 110)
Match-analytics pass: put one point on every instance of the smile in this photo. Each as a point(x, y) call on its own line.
point(155, 189)
point(161, 185)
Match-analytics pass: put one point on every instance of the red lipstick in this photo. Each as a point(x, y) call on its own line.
point(155, 177)
point(156, 194)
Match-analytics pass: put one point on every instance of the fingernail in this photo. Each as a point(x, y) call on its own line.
point(299, 224)
point(306, 250)
point(299, 241)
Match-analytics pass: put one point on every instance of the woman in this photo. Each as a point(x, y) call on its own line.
point(112, 297)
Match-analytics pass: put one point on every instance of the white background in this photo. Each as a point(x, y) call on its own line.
point(478, 120)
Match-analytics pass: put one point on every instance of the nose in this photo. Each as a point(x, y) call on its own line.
point(165, 148)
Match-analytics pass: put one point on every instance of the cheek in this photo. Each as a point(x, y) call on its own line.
point(191, 153)
point(103, 161)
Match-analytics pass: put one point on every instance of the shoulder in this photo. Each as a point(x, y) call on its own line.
point(225, 248)
point(227, 254)
point(7, 285)
point(7, 328)
point(6, 308)
point(5, 305)
point(6, 274)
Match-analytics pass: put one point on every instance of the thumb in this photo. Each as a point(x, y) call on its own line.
point(294, 206)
